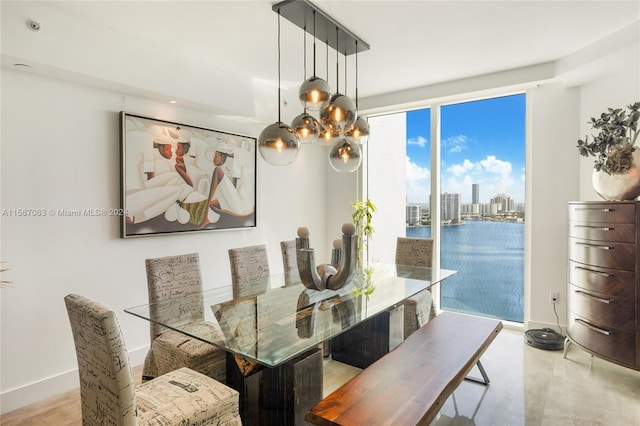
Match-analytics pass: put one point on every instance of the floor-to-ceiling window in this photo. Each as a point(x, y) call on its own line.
point(482, 161)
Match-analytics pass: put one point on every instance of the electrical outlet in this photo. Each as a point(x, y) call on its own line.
point(554, 297)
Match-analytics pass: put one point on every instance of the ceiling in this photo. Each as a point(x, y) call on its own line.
point(222, 55)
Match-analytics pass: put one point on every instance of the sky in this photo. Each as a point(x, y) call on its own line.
point(483, 142)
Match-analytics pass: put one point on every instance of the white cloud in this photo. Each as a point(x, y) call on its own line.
point(461, 169)
point(418, 183)
point(494, 176)
point(416, 172)
point(456, 143)
point(492, 165)
point(421, 141)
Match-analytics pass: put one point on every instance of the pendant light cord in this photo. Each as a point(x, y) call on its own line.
point(346, 90)
point(279, 120)
point(314, 43)
point(356, 75)
point(337, 67)
point(304, 43)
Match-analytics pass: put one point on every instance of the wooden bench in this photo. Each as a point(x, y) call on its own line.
point(409, 385)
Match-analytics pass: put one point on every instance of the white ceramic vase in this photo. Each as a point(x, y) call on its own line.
point(619, 186)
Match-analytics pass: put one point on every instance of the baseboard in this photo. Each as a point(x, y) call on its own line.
point(533, 325)
point(52, 386)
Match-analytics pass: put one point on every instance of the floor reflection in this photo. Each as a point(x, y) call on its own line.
point(532, 386)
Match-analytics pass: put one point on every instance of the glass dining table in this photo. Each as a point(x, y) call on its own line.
point(281, 327)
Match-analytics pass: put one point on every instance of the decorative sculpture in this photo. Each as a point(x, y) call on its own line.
point(327, 276)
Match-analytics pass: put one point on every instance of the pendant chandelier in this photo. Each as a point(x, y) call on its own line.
point(338, 124)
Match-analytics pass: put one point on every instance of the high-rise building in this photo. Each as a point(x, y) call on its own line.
point(413, 214)
point(504, 203)
point(450, 206)
point(475, 193)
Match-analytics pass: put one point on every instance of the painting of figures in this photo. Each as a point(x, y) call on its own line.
point(179, 178)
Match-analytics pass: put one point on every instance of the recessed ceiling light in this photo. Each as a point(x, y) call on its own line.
point(173, 101)
point(34, 25)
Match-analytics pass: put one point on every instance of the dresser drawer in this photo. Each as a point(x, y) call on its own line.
point(602, 280)
point(604, 212)
point(608, 311)
point(606, 254)
point(613, 344)
point(618, 232)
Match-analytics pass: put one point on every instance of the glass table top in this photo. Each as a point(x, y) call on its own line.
point(282, 321)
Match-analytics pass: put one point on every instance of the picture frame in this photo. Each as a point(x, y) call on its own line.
point(178, 178)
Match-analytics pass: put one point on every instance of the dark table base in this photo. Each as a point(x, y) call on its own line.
point(280, 395)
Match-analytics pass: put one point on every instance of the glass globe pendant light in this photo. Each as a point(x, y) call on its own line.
point(278, 143)
point(305, 125)
point(360, 130)
point(328, 136)
point(314, 92)
point(340, 112)
point(345, 155)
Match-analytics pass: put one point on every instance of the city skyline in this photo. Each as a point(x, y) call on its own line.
point(483, 142)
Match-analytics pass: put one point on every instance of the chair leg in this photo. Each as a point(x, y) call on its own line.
point(485, 379)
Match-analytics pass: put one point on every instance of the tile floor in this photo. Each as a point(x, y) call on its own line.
point(528, 387)
point(531, 386)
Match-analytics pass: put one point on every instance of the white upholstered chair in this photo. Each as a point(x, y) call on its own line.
point(418, 309)
point(168, 277)
point(107, 391)
point(249, 270)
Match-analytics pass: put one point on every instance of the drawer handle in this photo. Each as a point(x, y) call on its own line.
point(599, 228)
point(596, 246)
point(591, 296)
point(604, 274)
point(593, 209)
point(593, 327)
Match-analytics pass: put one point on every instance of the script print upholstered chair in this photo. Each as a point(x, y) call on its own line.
point(108, 394)
point(290, 262)
point(249, 270)
point(418, 309)
point(169, 277)
point(249, 277)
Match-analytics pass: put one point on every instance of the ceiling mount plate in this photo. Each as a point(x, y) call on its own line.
point(300, 12)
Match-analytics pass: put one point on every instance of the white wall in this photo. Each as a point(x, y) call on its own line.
point(60, 149)
point(600, 94)
point(552, 181)
point(386, 184)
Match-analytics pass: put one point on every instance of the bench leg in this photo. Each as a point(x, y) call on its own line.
point(485, 379)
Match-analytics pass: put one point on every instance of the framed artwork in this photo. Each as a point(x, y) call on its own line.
point(179, 178)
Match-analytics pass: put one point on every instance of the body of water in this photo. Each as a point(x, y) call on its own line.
point(489, 258)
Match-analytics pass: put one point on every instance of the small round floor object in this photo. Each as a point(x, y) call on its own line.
point(544, 338)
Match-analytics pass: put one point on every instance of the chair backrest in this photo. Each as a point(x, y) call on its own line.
point(172, 276)
point(107, 389)
point(290, 262)
point(414, 251)
point(249, 270)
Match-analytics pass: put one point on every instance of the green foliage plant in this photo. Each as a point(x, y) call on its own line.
point(362, 216)
point(614, 144)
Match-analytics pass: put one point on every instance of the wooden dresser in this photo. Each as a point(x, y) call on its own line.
point(603, 292)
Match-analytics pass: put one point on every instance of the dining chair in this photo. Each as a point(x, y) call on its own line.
point(249, 277)
point(418, 309)
point(290, 262)
point(168, 277)
point(249, 270)
point(108, 394)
